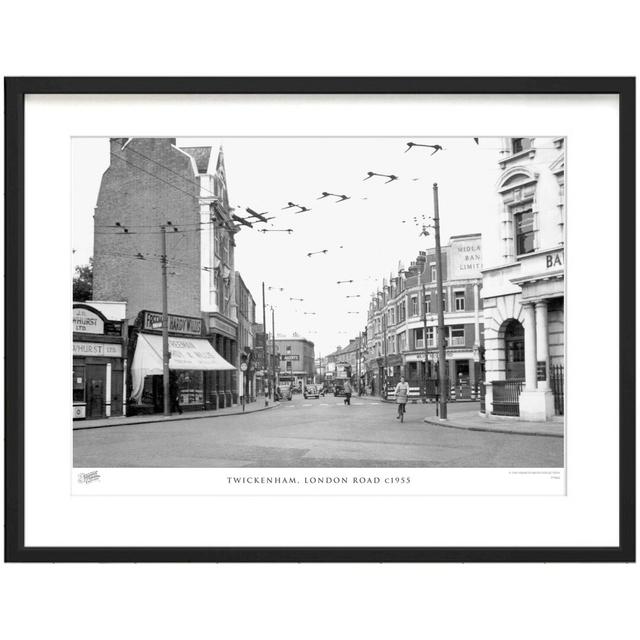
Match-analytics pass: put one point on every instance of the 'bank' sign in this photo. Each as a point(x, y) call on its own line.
point(466, 258)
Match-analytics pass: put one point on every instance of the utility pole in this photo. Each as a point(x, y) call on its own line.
point(358, 364)
point(273, 346)
point(424, 333)
point(384, 377)
point(265, 365)
point(442, 364)
point(165, 325)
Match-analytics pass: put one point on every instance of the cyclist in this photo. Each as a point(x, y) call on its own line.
point(402, 394)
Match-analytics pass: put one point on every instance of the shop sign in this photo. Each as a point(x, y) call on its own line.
point(290, 357)
point(466, 259)
point(105, 350)
point(553, 260)
point(184, 325)
point(86, 321)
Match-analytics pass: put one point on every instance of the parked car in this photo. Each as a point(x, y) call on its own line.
point(311, 391)
point(284, 391)
point(338, 389)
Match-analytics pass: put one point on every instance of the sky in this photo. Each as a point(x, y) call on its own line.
point(366, 236)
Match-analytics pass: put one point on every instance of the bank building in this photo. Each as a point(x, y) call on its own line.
point(523, 282)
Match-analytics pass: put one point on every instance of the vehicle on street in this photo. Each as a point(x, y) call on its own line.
point(343, 373)
point(311, 391)
point(284, 391)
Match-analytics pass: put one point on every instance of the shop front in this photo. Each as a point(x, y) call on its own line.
point(98, 364)
point(191, 359)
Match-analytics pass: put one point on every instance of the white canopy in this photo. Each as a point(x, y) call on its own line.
point(186, 353)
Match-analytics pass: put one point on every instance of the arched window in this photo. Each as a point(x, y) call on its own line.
point(518, 190)
point(514, 350)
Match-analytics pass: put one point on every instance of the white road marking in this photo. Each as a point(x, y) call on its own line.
point(291, 406)
point(307, 405)
point(324, 404)
point(375, 403)
point(358, 403)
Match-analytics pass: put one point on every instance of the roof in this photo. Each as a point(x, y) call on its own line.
point(201, 155)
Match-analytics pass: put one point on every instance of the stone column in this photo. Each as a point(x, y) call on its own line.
point(530, 347)
point(542, 342)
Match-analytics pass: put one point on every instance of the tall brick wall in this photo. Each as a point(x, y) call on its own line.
point(141, 194)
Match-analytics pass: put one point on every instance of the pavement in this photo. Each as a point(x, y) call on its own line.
point(321, 432)
point(474, 421)
point(235, 410)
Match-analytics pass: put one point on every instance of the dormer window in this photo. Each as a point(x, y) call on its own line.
point(518, 145)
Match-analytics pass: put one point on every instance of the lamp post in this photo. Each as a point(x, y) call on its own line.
point(442, 364)
point(265, 367)
point(424, 332)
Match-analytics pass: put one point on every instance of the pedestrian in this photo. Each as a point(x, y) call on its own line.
point(402, 394)
point(347, 393)
point(174, 395)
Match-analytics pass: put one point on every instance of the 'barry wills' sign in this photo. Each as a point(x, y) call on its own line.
point(185, 325)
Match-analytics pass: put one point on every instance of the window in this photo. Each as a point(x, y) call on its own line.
point(288, 349)
point(392, 316)
point(433, 273)
point(419, 338)
point(402, 342)
point(520, 144)
point(78, 383)
point(523, 222)
point(430, 334)
point(459, 300)
point(414, 305)
point(444, 302)
point(427, 304)
point(456, 333)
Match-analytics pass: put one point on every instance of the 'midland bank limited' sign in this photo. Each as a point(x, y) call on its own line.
point(465, 258)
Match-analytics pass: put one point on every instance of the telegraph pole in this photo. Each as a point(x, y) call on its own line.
point(384, 377)
point(442, 364)
point(273, 346)
point(165, 325)
point(265, 367)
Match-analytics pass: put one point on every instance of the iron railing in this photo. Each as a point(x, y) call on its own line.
point(506, 397)
point(556, 378)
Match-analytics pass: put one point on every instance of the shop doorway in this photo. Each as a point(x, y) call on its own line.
point(463, 380)
point(514, 350)
point(96, 383)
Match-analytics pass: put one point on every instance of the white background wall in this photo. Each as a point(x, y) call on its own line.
point(372, 601)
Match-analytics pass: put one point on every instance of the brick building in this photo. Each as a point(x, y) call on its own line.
point(154, 188)
point(523, 282)
point(395, 340)
point(246, 311)
point(296, 365)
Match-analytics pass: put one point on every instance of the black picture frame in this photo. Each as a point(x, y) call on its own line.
point(15, 91)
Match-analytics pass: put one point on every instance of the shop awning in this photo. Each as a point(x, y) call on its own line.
point(194, 354)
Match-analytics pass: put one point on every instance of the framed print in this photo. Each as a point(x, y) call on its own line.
point(320, 319)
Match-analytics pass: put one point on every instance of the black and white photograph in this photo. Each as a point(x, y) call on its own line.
point(319, 302)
